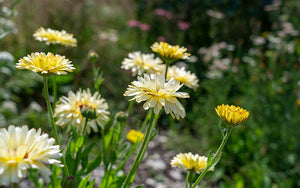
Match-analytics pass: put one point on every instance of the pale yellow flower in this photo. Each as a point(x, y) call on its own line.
point(140, 63)
point(45, 64)
point(158, 93)
point(68, 112)
point(182, 75)
point(169, 52)
point(21, 149)
point(51, 36)
point(232, 115)
point(189, 161)
point(135, 136)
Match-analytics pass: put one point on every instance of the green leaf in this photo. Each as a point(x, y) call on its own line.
point(84, 182)
point(209, 158)
point(93, 164)
point(79, 142)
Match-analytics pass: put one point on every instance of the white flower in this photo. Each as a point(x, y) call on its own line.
point(158, 93)
point(182, 75)
point(140, 63)
point(22, 149)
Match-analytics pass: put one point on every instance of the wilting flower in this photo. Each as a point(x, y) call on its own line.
point(232, 115)
point(22, 149)
point(135, 136)
point(158, 93)
point(51, 36)
point(45, 64)
point(186, 77)
point(69, 113)
point(140, 63)
point(169, 52)
point(189, 161)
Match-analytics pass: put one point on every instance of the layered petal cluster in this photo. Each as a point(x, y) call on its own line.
point(140, 63)
point(51, 36)
point(169, 52)
point(21, 149)
point(182, 75)
point(45, 63)
point(158, 93)
point(232, 115)
point(190, 161)
point(135, 136)
point(68, 112)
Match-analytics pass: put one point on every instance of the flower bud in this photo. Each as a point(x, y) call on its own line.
point(121, 116)
point(69, 182)
point(93, 56)
point(88, 112)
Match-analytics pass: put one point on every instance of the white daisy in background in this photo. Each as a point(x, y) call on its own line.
point(68, 111)
point(189, 161)
point(182, 75)
point(158, 93)
point(21, 149)
point(140, 63)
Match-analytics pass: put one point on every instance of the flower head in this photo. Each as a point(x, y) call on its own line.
point(158, 93)
point(189, 161)
point(22, 149)
point(69, 112)
point(45, 63)
point(51, 36)
point(135, 136)
point(186, 77)
point(169, 52)
point(232, 115)
point(140, 63)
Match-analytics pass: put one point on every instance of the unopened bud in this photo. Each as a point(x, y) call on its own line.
point(69, 182)
point(121, 116)
point(93, 56)
point(88, 112)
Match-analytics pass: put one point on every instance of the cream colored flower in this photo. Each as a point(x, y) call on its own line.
point(189, 161)
point(68, 111)
point(140, 63)
point(45, 64)
point(51, 36)
point(182, 75)
point(157, 93)
point(169, 52)
point(232, 115)
point(134, 136)
point(21, 149)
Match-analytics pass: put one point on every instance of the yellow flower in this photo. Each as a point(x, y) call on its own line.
point(186, 77)
point(21, 149)
point(140, 63)
point(157, 93)
point(232, 115)
point(135, 136)
point(169, 52)
point(298, 102)
point(189, 161)
point(68, 111)
point(51, 36)
point(45, 64)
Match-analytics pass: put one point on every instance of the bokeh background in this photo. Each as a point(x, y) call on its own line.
point(244, 53)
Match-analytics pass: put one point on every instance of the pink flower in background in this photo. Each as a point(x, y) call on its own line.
point(133, 23)
point(163, 12)
point(183, 25)
point(144, 27)
point(161, 39)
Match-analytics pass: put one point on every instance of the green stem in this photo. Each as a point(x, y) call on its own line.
point(46, 96)
point(54, 91)
point(225, 139)
point(187, 179)
point(108, 174)
point(166, 71)
point(130, 107)
point(84, 127)
point(142, 150)
point(15, 185)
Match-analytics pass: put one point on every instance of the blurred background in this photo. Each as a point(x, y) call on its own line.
point(245, 53)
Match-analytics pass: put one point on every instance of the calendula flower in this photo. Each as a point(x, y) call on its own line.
point(140, 63)
point(182, 75)
point(169, 52)
point(189, 161)
point(135, 136)
point(21, 149)
point(158, 93)
point(45, 63)
point(232, 115)
point(51, 36)
point(69, 112)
